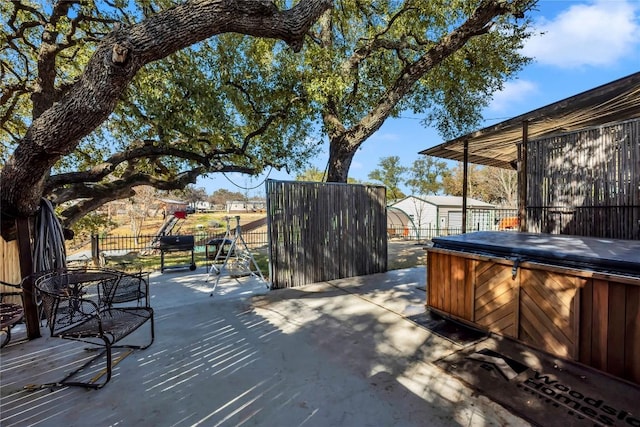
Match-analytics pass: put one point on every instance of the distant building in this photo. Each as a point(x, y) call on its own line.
point(201, 206)
point(445, 212)
point(246, 206)
point(400, 224)
point(170, 207)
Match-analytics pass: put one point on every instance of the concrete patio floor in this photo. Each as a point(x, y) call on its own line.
point(339, 353)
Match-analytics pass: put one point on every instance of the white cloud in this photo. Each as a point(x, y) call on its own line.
point(385, 136)
point(590, 34)
point(513, 92)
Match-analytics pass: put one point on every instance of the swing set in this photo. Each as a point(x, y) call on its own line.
point(233, 256)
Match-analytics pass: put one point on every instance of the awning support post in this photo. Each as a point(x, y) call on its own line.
point(522, 177)
point(465, 179)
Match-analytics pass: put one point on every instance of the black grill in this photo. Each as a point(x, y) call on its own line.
point(177, 244)
point(215, 244)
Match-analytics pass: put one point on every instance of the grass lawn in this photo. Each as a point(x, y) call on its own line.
point(401, 254)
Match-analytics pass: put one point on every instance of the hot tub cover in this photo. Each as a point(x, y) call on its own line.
point(588, 253)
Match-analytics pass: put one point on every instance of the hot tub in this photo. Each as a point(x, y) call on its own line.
point(575, 297)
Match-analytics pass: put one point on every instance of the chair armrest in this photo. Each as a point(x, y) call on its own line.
point(11, 285)
point(16, 293)
point(18, 288)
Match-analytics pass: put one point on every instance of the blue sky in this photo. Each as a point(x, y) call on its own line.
point(583, 44)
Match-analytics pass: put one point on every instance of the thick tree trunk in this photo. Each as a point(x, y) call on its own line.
point(341, 155)
point(340, 158)
point(58, 130)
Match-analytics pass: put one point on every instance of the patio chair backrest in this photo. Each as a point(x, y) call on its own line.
point(70, 296)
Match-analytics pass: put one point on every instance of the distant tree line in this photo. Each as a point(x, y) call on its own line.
point(429, 176)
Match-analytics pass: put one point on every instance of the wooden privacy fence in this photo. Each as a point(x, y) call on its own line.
point(324, 231)
point(10, 268)
point(586, 183)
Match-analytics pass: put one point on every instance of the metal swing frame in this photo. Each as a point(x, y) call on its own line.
point(238, 246)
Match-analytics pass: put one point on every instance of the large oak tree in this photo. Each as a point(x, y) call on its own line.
point(66, 67)
point(191, 114)
point(439, 59)
point(369, 61)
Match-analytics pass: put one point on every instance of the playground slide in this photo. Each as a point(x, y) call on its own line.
point(250, 226)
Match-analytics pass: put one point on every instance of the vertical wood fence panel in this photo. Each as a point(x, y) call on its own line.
point(586, 183)
point(10, 268)
point(10, 261)
point(324, 231)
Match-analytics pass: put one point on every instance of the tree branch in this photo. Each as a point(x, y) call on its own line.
point(478, 23)
point(91, 197)
point(148, 149)
point(371, 44)
point(57, 131)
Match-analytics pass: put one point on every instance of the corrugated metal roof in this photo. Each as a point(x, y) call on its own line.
point(497, 145)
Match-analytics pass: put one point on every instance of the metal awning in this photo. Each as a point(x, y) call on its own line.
point(497, 145)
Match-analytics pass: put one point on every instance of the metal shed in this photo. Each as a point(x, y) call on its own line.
point(399, 223)
point(445, 212)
